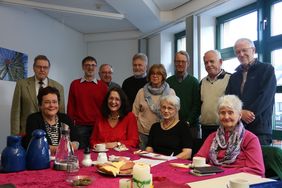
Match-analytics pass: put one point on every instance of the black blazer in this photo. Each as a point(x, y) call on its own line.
point(35, 121)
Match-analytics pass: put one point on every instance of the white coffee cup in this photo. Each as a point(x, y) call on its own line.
point(100, 147)
point(199, 161)
point(102, 158)
point(238, 183)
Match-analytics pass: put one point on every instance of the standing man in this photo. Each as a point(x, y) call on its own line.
point(211, 88)
point(25, 94)
point(186, 88)
point(132, 84)
point(105, 73)
point(85, 101)
point(254, 83)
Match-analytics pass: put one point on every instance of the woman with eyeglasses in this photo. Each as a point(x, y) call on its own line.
point(170, 136)
point(48, 118)
point(146, 106)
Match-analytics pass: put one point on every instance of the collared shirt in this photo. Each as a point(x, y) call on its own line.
point(181, 78)
point(37, 85)
point(84, 80)
point(220, 75)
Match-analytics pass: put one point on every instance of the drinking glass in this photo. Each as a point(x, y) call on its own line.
point(72, 167)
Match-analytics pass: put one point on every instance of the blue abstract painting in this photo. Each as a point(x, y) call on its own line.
point(13, 65)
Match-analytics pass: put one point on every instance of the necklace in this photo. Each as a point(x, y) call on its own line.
point(169, 124)
point(114, 117)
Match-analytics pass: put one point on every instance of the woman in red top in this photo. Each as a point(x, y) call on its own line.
point(118, 125)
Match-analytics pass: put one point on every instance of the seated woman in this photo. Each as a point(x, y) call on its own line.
point(48, 118)
point(118, 125)
point(232, 145)
point(170, 136)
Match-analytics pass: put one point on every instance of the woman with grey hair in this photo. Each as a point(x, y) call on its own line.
point(232, 145)
point(170, 136)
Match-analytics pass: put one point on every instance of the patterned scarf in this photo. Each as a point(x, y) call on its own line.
point(149, 91)
point(232, 146)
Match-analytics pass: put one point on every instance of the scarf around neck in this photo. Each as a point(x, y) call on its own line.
point(149, 91)
point(232, 146)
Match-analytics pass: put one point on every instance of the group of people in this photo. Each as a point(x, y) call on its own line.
point(156, 113)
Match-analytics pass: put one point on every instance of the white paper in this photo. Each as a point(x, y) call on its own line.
point(156, 156)
point(151, 162)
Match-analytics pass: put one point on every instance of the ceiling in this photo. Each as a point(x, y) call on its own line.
point(106, 16)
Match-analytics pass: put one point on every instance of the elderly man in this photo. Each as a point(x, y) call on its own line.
point(186, 88)
point(85, 101)
point(25, 94)
point(212, 87)
point(105, 74)
point(254, 83)
point(132, 84)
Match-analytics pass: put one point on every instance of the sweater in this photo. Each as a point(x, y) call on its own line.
point(145, 116)
point(125, 132)
point(85, 101)
point(258, 95)
point(170, 141)
point(210, 92)
point(131, 86)
point(250, 158)
point(188, 92)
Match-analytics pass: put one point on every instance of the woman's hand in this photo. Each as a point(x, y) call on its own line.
point(111, 144)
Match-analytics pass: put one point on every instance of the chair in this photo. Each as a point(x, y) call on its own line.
point(272, 157)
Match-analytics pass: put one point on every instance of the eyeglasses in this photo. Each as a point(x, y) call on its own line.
point(90, 65)
point(179, 62)
point(243, 50)
point(106, 72)
point(50, 102)
point(156, 74)
point(41, 67)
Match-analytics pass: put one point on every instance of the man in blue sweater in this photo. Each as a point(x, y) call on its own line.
point(254, 83)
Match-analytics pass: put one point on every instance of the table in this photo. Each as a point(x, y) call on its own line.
point(52, 178)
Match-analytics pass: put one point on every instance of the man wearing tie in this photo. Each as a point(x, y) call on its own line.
point(25, 94)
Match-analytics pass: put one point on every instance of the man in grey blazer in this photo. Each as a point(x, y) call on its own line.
point(25, 94)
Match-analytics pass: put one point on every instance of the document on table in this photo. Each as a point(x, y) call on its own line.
point(156, 156)
point(221, 182)
point(151, 162)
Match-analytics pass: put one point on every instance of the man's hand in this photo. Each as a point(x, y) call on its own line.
point(248, 116)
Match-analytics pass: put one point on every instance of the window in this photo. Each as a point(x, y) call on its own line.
point(180, 41)
point(276, 15)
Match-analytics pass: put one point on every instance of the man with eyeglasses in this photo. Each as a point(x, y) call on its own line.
point(254, 83)
point(85, 101)
point(25, 94)
point(186, 88)
point(105, 74)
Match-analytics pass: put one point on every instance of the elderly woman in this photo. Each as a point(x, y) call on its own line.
point(48, 119)
point(146, 106)
point(170, 136)
point(118, 125)
point(232, 145)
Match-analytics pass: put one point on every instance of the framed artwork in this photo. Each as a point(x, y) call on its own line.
point(13, 65)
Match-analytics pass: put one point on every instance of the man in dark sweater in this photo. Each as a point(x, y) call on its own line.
point(186, 88)
point(132, 84)
point(254, 83)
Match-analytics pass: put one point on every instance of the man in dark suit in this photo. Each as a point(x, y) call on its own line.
point(26, 90)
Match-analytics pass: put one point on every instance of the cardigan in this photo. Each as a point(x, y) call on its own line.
point(250, 158)
point(258, 94)
point(125, 132)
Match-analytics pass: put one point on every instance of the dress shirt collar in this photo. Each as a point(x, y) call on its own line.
point(181, 78)
point(220, 75)
point(84, 80)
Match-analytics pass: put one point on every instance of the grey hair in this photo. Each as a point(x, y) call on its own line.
point(140, 56)
point(251, 43)
point(182, 52)
point(216, 52)
point(231, 101)
point(173, 99)
point(103, 65)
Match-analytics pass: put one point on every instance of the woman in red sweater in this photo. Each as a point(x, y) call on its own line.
point(232, 145)
point(118, 125)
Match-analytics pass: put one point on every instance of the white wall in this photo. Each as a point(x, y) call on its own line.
point(33, 33)
point(117, 53)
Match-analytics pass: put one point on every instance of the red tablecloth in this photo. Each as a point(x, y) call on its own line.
point(53, 178)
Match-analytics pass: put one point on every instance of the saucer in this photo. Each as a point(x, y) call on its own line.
point(97, 151)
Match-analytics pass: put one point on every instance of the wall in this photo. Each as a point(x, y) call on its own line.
point(33, 33)
point(118, 53)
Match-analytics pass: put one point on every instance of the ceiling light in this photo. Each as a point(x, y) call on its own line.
point(59, 8)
